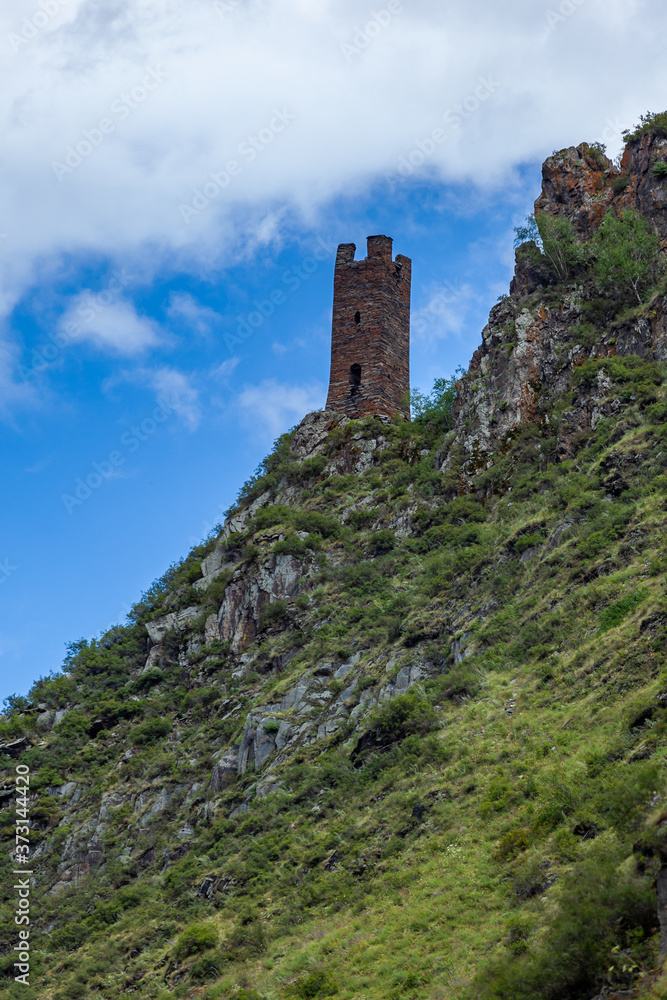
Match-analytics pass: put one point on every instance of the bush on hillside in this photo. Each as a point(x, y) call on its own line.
point(652, 123)
point(555, 243)
point(627, 254)
point(195, 939)
point(436, 407)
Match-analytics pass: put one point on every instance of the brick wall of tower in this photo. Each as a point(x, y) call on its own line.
point(370, 338)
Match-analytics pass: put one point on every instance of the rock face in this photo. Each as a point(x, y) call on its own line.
point(581, 184)
point(359, 452)
point(246, 597)
point(531, 345)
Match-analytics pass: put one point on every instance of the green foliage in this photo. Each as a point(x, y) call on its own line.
point(148, 679)
point(627, 254)
point(435, 408)
point(601, 904)
point(652, 123)
point(556, 243)
point(381, 541)
point(406, 714)
point(75, 724)
point(598, 153)
point(274, 614)
point(150, 731)
point(301, 519)
point(633, 377)
point(318, 983)
point(659, 169)
point(613, 615)
point(195, 939)
point(512, 843)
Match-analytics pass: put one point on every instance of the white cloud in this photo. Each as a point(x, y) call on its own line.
point(171, 387)
point(111, 326)
point(187, 310)
point(273, 407)
point(175, 388)
point(115, 116)
point(224, 371)
point(444, 314)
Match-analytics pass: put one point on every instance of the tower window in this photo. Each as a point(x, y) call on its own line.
point(357, 317)
point(355, 379)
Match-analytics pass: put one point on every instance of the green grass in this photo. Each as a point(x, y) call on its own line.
point(484, 844)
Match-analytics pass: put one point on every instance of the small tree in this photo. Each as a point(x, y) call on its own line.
point(556, 243)
point(627, 253)
point(436, 407)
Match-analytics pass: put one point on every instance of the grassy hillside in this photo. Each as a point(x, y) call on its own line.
point(398, 732)
point(481, 842)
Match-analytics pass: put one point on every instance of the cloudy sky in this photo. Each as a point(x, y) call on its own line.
point(167, 166)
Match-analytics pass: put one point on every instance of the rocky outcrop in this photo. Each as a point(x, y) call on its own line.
point(358, 452)
point(581, 184)
point(239, 618)
point(532, 344)
point(175, 621)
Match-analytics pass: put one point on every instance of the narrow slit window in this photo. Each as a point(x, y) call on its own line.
point(355, 379)
point(357, 317)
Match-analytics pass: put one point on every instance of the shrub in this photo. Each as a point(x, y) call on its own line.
point(150, 731)
point(660, 169)
point(512, 843)
point(207, 969)
point(275, 613)
point(615, 613)
point(627, 254)
point(318, 983)
point(381, 541)
point(74, 724)
point(652, 123)
point(602, 907)
point(360, 519)
point(195, 939)
point(247, 940)
point(148, 680)
point(555, 243)
point(436, 407)
point(406, 714)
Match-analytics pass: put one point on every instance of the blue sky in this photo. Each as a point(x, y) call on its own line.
point(178, 177)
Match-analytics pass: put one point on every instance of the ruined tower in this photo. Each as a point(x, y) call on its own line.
point(370, 337)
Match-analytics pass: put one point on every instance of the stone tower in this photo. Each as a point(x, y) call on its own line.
point(370, 338)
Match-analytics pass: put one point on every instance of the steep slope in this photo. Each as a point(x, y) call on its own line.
point(399, 729)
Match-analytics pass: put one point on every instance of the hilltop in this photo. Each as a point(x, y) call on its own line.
point(399, 727)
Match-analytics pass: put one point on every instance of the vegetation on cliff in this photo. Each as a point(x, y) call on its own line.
point(432, 765)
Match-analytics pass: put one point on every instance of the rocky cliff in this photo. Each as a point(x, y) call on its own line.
point(398, 728)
